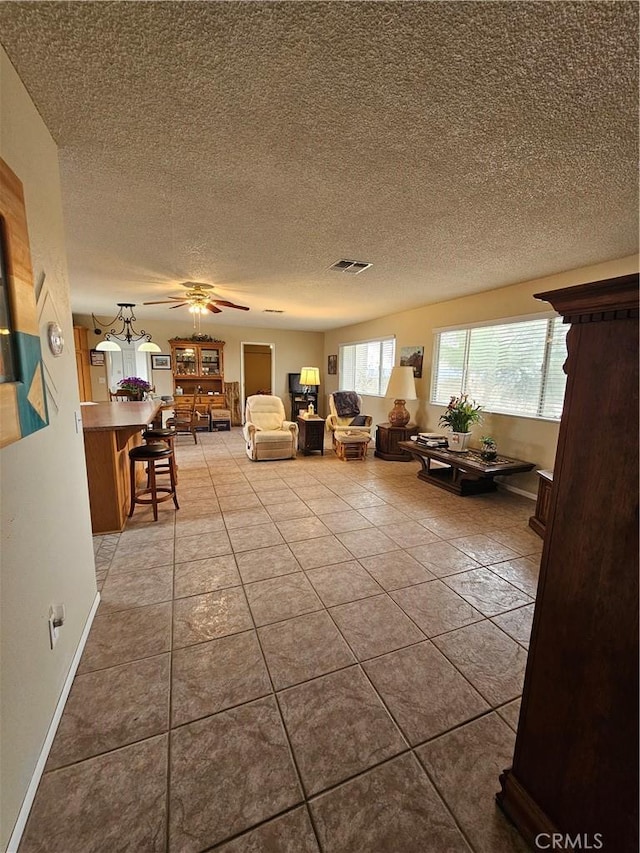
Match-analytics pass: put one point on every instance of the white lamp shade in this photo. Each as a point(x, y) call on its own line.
point(108, 346)
point(310, 376)
point(402, 385)
point(149, 346)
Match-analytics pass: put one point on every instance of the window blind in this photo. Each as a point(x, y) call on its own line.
point(365, 367)
point(510, 368)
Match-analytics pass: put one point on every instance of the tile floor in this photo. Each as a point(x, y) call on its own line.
point(309, 655)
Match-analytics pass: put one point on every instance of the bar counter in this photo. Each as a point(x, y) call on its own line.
point(110, 431)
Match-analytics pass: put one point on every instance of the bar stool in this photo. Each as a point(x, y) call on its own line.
point(150, 454)
point(152, 436)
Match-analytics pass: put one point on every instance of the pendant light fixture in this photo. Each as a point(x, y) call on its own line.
point(123, 329)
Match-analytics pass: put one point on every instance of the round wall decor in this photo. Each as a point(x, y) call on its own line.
point(55, 339)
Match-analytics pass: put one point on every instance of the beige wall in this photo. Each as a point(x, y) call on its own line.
point(524, 438)
point(46, 547)
point(291, 350)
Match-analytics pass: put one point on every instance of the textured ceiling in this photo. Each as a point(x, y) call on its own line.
point(457, 146)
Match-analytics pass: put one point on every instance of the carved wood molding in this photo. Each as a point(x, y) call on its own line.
point(609, 299)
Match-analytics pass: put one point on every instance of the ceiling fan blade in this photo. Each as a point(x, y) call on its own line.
point(230, 304)
point(162, 302)
point(178, 306)
point(211, 307)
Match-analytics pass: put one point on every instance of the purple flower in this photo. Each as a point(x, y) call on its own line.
point(134, 383)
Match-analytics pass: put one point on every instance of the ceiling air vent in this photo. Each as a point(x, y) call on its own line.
point(272, 311)
point(350, 267)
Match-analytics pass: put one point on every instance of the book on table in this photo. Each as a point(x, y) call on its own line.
point(432, 439)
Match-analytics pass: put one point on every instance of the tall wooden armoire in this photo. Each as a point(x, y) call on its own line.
point(575, 765)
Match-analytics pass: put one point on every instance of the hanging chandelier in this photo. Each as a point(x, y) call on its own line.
point(123, 329)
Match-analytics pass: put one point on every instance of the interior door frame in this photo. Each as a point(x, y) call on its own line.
point(272, 347)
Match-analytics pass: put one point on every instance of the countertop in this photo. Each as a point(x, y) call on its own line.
point(115, 416)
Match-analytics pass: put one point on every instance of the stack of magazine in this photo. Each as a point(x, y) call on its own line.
point(432, 439)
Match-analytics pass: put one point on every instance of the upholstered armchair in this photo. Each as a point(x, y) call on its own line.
point(267, 434)
point(345, 414)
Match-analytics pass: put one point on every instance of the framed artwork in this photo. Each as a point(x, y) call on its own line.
point(332, 365)
point(160, 362)
point(22, 395)
point(96, 358)
point(412, 357)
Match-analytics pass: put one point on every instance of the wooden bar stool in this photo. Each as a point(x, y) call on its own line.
point(150, 454)
point(153, 436)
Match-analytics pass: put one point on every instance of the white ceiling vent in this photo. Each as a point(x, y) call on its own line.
point(350, 267)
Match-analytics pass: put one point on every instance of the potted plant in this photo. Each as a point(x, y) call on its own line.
point(460, 414)
point(135, 385)
point(489, 450)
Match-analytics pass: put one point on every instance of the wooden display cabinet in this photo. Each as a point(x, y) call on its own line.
point(198, 368)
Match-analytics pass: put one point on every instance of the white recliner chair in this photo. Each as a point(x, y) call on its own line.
point(267, 433)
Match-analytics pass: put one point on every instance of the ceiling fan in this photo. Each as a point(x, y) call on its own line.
point(198, 300)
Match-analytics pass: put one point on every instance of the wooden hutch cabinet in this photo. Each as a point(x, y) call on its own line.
point(575, 763)
point(198, 368)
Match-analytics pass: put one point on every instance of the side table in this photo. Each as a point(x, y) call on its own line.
point(387, 438)
point(538, 520)
point(310, 434)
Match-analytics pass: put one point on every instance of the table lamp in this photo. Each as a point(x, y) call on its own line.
point(309, 376)
point(401, 387)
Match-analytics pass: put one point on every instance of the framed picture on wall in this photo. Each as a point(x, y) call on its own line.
point(160, 362)
point(332, 365)
point(96, 358)
point(412, 357)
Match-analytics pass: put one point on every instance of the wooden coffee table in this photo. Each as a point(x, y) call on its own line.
point(462, 473)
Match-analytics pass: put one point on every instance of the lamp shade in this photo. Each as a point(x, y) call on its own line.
point(402, 385)
point(149, 346)
point(108, 346)
point(310, 376)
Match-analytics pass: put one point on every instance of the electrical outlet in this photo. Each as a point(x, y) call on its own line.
point(56, 621)
point(102, 380)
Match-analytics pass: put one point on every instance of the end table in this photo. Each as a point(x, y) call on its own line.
point(310, 434)
point(387, 438)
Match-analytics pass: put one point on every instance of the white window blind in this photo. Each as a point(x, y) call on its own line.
point(365, 367)
point(510, 368)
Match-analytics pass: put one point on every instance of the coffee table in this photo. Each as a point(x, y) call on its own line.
point(462, 473)
point(351, 444)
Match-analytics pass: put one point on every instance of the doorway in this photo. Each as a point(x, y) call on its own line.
point(256, 369)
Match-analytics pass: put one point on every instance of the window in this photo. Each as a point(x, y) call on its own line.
point(365, 367)
point(513, 368)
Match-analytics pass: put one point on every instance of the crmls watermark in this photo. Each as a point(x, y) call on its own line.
point(564, 841)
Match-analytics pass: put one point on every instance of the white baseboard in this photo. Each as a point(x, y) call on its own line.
point(29, 797)
point(516, 490)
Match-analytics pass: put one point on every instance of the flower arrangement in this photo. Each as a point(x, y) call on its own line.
point(460, 414)
point(135, 384)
